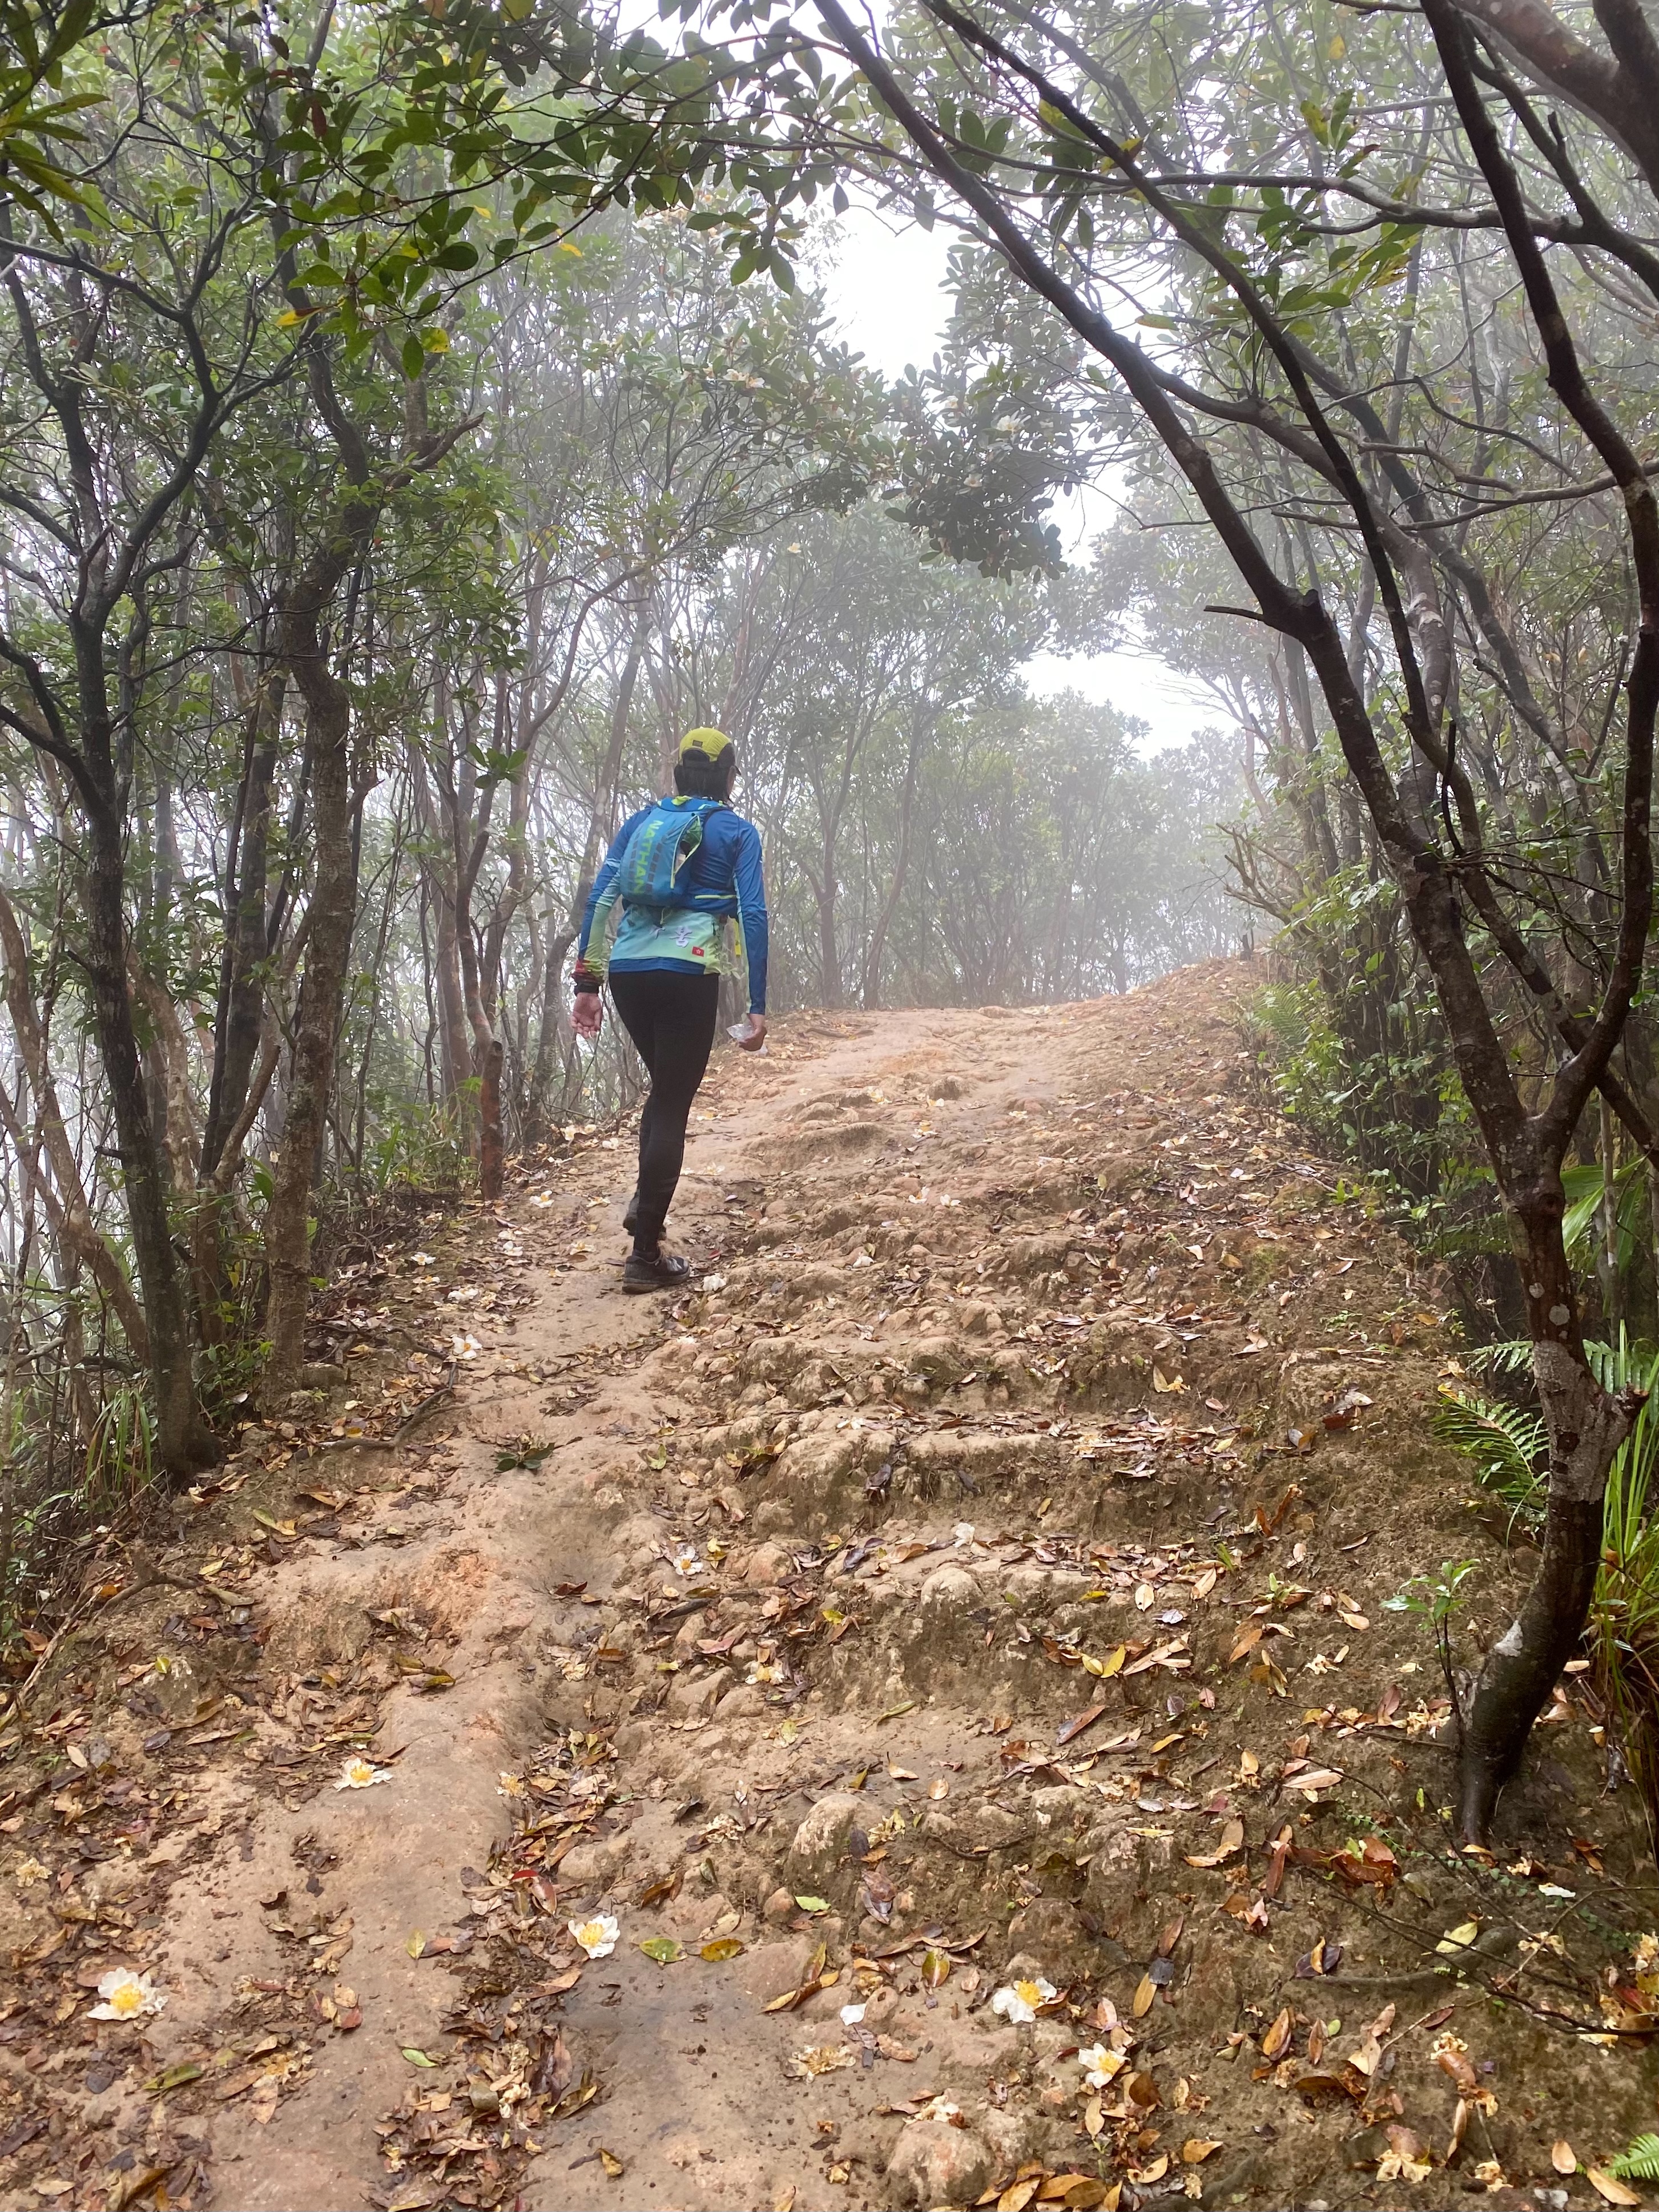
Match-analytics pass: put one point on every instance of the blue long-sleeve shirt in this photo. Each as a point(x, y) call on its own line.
point(721, 880)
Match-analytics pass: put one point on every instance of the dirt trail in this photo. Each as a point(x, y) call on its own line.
point(979, 1581)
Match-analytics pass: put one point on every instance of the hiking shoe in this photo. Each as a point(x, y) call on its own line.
point(659, 1273)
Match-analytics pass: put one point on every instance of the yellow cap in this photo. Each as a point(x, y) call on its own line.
point(704, 745)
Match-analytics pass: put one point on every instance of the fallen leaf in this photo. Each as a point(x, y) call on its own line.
point(664, 1949)
point(1315, 1779)
point(1325, 2085)
point(172, 2077)
point(613, 2166)
point(1609, 2185)
point(1458, 1938)
point(1230, 1839)
point(1562, 2157)
point(1146, 1992)
point(722, 1949)
point(418, 2057)
point(1196, 2150)
point(1276, 2041)
point(1069, 1730)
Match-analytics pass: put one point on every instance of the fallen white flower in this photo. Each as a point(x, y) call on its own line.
point(361, 1774)
point(126, 1995)
point(1099, 2064)
point(1018, 2003)
point(598, 1936)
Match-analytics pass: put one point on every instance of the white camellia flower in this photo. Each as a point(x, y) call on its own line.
point(1019, 2001)
point(126, 1995)
point(598, 1936)
point(465, 1347)
point(1099, 2064)
point(360, 1773)
point(686, 1562)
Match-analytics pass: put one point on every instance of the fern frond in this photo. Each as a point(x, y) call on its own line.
point(1506, 1444)
point(1508, 1357)
point(1639, 2163)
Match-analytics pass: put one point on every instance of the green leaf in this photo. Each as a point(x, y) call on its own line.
point(664, 1949)
point(173, 2077)
point(1639, 2163)
point(813, 1903)
point(1506, 1444)
point(419, 2058)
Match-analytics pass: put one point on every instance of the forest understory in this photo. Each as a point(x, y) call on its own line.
point(978, 1584)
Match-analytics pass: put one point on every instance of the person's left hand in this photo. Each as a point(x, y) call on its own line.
point(587, 1015)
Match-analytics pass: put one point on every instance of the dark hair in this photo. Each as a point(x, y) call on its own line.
point(705, 779)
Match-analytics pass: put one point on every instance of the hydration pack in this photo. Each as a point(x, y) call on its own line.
point(648, 873)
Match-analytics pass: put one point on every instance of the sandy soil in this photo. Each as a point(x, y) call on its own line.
point(978, 1583)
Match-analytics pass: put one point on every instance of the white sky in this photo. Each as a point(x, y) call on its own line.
point(884, 288)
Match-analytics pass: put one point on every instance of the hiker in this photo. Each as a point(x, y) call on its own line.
point(683, 870)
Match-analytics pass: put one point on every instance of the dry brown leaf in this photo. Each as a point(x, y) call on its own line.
point(1230, 1839)
point(1143, 1997)
point(1277, 2040)
point(1609, 2185)
point(1196, 2150)
point(1562, 2157)
point(1316, 1778)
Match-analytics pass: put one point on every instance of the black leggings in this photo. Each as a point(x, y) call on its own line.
point(671, 1019)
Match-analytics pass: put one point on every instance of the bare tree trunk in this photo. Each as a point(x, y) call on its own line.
point(560, 938)
point(332, 910)
point(246, 948)
point(76, 1229)
point(876, 950)
point(183, 1441)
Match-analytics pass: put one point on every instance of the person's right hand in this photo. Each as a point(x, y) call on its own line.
point(587, 1014)
point(757, 1037)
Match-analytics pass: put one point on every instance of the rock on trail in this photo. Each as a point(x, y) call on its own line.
point(915, 1723)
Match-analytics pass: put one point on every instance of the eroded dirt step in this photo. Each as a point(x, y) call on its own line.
point(978, 1582)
